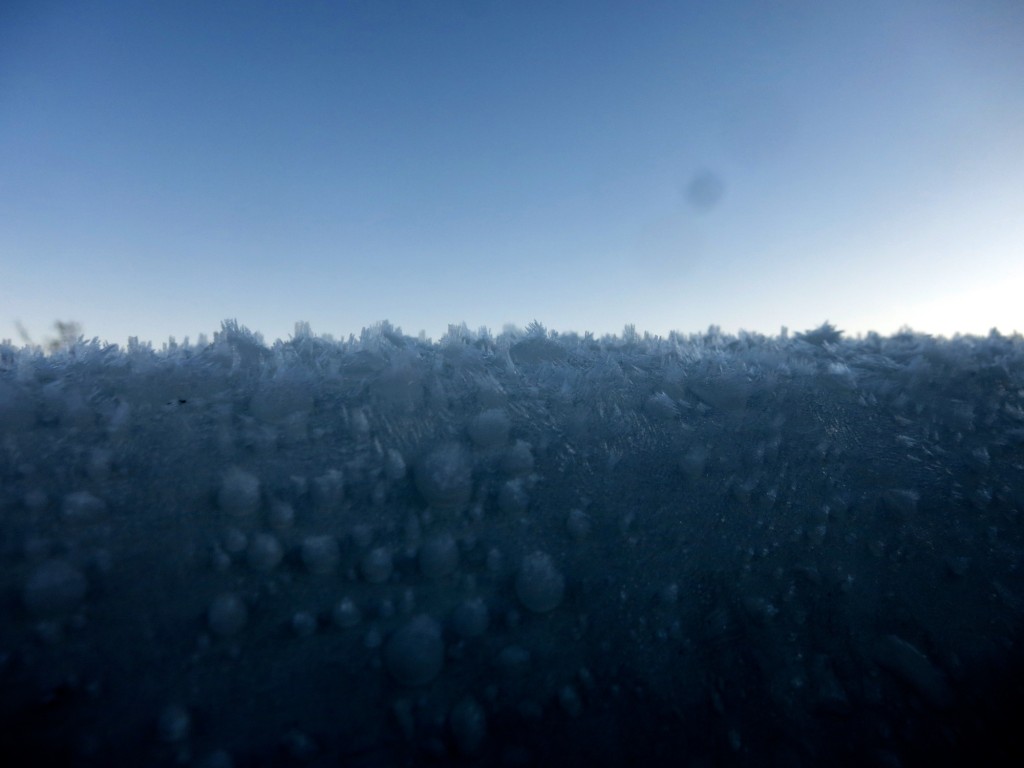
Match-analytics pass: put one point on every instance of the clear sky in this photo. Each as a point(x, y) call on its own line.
point(166, 165)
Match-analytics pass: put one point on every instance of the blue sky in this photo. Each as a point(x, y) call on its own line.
point(166, 165)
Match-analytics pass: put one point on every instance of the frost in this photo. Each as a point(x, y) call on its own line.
point(531, 546)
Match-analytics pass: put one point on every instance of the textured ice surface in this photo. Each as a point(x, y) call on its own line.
point(528, 549)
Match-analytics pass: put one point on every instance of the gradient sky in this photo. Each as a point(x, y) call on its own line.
point(166, 165)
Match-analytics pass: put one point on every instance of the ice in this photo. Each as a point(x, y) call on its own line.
point(82, 507)
point(321, 554)
point(471, 618)
point(529, 546)
point(265, 552)
point(439, 556)
point(539, 584)
point(444, 476)
point(910, 665)
point(414, 654)
point(239, 493)
point(377, 565)
point(518, 459)
point(304, 623)
point(174, 724)
point(54, 588)
point(490, 428)
point(346, 613)
point(578, 524)
point(227, 615)
point(468, 724)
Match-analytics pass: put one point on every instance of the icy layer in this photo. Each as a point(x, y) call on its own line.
point(529, 548)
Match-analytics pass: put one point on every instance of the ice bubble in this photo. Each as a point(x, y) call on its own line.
point(320, 554)
point(513, 658)
point(570, 701)
point(174, 724)
point(495, 561)
point(490, 428)
point(518, 459)
point(377, 565)
point(512, 498)
point(82, 507)
point(55, 587)
point(468, 724)
point(219, 559)
point(282, 516)
point(539, 585)
point(386, 609)
point(414, 654)
point(470, 618)
point(264, 553)
point(373, 637)
point(235, 541)
point(444, 477)
point(439, 556)
point(329, 489)
point(239, 493)
point(346, 613)
point(578, 524)
point(303, 623)
point(227, 614)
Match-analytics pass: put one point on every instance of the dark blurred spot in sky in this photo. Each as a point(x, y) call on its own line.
point(704, 190)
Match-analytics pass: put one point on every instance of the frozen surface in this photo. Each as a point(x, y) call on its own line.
point(528, 549)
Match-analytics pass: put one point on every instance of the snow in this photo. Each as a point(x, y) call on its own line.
point(533, 548)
